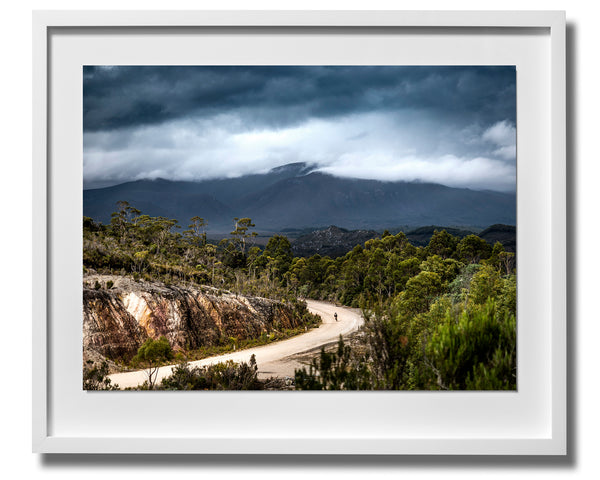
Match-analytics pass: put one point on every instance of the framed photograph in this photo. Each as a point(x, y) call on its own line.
point(299, 232)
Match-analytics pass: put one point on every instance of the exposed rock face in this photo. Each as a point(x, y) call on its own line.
point(117, 320)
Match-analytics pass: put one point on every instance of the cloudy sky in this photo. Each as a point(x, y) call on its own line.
point(450, 125)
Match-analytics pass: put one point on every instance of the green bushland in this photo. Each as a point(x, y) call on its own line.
point(451, 346)
point(155, 249)
point(440, 317)
point(436, 317)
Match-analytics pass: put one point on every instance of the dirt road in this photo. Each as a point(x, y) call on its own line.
point(273, 359)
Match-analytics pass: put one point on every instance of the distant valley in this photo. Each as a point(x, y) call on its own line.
point(334, 241)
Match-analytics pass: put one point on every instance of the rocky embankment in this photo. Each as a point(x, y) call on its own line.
point(119, 314)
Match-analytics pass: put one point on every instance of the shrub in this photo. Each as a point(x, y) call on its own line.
point(94, 377)
point(334, 371)
point(477, 350)
point(484, 284)
point(221, 376)
point(151, 355)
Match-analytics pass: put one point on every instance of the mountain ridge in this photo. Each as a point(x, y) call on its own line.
point(298, 196)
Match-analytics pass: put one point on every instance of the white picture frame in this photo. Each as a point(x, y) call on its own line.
point(531, 421)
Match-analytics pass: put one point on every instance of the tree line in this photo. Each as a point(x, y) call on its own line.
point(157, 248)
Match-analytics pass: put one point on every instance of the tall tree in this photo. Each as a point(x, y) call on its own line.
point(121, 219)
point(442, 244)
point(197, 231)
point(156, 229)
point(278, 255)
point(241, 233)
point(472, 249)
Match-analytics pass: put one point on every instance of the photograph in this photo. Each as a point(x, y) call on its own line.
point(299, 227)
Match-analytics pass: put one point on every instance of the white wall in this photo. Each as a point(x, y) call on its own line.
point(15, 266)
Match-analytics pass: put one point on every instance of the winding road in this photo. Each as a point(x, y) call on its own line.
point(273, 360)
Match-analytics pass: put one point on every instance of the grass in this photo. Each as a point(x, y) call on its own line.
point(214, 350)
point(264, 339)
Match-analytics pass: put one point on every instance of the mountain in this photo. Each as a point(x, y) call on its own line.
point(215, 200)
point(321, 199)
point(181, 200)
point(295, 196)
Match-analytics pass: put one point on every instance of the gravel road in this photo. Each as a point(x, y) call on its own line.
point(273, 359)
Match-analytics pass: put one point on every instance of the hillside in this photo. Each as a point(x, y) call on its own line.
point(294, 196)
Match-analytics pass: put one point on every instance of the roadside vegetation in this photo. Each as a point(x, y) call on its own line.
point(309, 321)
point(439, 317)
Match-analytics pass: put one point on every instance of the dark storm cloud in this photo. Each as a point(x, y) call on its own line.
point(117, 97)
point(449, 125)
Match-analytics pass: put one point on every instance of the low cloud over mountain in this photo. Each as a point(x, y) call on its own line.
point(295, 196)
